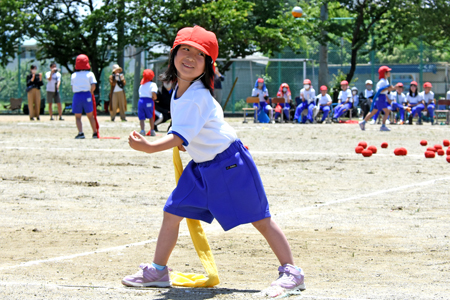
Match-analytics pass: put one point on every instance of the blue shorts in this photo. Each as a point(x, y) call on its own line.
point(80, 101)
point(227, 188)
point(381, 102)
point(146, 108)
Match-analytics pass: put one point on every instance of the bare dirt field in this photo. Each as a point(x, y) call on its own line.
point(76, 216)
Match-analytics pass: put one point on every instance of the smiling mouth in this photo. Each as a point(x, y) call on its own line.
point(187, 66)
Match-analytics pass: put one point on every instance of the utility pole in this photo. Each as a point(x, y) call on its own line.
point(323, 49)
point(121, 34)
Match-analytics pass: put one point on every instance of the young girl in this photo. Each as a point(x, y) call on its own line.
point(413, 100)
point(83, 86)
point(397, 100)
point(345, 101)
point(427, 97)
point(324, 102)
point(307, 94)
point(383, 87)
point(260, 90)
point(284, 92)
point(146, 104)
point(199, 128)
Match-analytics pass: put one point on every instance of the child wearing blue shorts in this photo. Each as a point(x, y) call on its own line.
point(83, 86)
point(221, 182)
point(260, 90)
point(383, 87)
point(146, 104)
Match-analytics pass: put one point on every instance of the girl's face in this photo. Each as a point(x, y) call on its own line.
point(399, 89)
point(413, 88)
point(369, 87)
point(189, 62)
point(323, 92)
point(284, 90)
point(344, 87)
point(260, 85)
point(307, 87)
point(427, 90)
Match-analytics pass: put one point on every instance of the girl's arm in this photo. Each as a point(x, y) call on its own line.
point(92, 88)
point(139, 143)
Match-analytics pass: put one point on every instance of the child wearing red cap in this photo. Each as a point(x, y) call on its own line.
point(324, 102)
point(222, 181)
point(147, 98)
point(427, 97)
point(260, 90)
point(345, 101)
point(396, 101)
point(83, 86)
point(284, 92)
point(383, 87)
point(307, 95)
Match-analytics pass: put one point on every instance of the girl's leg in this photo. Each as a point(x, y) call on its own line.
point(91, 119)
point(78, 122)
point(386, 115)
point(152, 123)
point(276, 239)
point(142, 123)
point(370, 115)
point(326, 111)
point(167, 239)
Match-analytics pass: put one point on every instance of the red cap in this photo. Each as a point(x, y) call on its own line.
point(147, 76)
point(413, 83)
point(399, 84)
point(344, 82)
point(382, 70)
point(323, 88)
point(427, 84)
point(82, 62)
point(306, 81)
point(260, 80)
point(199, 38)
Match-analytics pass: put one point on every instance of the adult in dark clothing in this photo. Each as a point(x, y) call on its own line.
point(162, 104)
point(34, 83)
point(218, 78)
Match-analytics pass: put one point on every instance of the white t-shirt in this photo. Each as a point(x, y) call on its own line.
point(368, 94)
point(413, 100)
point(81, 81)
point(428, 98)
point(324, 99)
point(344, 95)
point(287, 98)
point(198, 120)
point(308, 95)
point(448, 95)
point(382, 83)
point(260, 93)
point(117, 88)
point(401, 98)
point(146, 89)
point(51, 84)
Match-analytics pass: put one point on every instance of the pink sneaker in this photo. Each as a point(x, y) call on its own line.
point(148, 276)
point(291, 278)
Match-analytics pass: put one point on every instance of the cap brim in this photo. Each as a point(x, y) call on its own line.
point(195, 45)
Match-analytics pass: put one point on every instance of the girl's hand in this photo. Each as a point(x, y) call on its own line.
point(138, 142)
point(181, 148)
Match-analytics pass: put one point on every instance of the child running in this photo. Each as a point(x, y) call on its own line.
point(147, 98)
point(383, 87)
point(198, 127)
point(324, 102)
point(83, 86)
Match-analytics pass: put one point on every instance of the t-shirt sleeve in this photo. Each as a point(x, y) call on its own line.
point(153, 88)
point(328, 98)
point(47, 75)
point(340, 95)
point(72, 78)
point(254, 93)
point(188, 119)
point(92, 79)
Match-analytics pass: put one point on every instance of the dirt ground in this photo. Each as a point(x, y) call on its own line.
point(76, 216)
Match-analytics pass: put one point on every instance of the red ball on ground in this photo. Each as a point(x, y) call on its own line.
point(404, 151)
point(363, 144)
point(440, 152)
point(448, 159)
point(384, 145)
point(423, 142)
point(437, 147)
point(373, 149)
point(400, 151)
point(432, 149)
point(359, 149)
point(430, 154)
point(446, 143)
point(367, 153)
point(246, 147)
point(448, 151)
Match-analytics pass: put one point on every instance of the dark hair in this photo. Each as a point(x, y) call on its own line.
point(170, 74)
point(52, 64)
point(32, 67)
point(411, 93)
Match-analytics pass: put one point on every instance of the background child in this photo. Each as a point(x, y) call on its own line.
point(344, 101)
point(413, 100)
point(53, 83)
point(83, 86)
point(398, 100)
point(324, 102)
point(34, 83)
point(147, 98)
point(366, 98)
point(428, 100)
point(383, 87)
point(198, 126)
point(284, 92)
point(260, 90)
point(307, 95)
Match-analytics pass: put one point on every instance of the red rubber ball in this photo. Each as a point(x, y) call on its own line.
point(384, 145)
point(432, 149)
point(446, 143)
point(448, 159)
point(423, 142)
point(437, 147)
point(430, 154)
point(373, 149)
point(363, 144)
point(404, 151)
point(448, 151)
point(440, 152)
point(359, 149)
point(367, 153)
